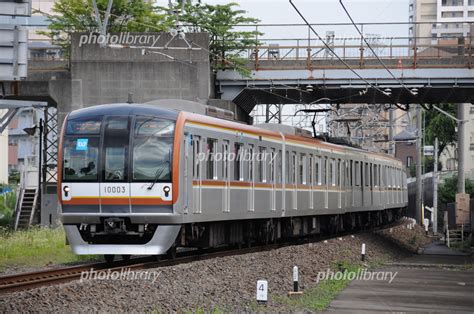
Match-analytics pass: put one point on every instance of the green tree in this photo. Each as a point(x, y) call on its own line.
point(227, 42)
point(126, 15)
point(447, 190)
point(441, 126)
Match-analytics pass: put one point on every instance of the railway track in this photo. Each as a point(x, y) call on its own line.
point(24, 281)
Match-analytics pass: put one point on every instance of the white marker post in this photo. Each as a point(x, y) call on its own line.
point(295, 291)
point(262, 291)
point(362, 255)
point(295, 279)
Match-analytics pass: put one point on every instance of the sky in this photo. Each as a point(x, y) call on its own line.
point(326, 11)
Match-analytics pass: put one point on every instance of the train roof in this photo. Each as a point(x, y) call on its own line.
point(146, 109)
point(124, 109)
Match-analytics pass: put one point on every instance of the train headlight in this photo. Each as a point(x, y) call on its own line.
point(66, 190)
point(167, 190)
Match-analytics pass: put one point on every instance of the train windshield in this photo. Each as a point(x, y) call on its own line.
point(81, 150)
point(152, 149)
point(97, 149)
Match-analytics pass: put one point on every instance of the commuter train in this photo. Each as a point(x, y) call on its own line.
point(143, 179)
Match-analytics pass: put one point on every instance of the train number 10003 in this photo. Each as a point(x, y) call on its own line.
point(114, 189)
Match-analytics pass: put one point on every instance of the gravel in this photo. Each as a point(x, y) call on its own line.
point(225, 283)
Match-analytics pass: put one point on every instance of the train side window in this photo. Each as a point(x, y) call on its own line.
point(225, 161)
point(262, 167)
point(211, 160)
point(251, 163)
point(272, 165)
point(324, 171)
point(310, 170)
point(302, 169)
point(294, 172)
point(366, 176)
point(317, 167)
point(351, 175)
point(196, 152)
point(279, 166)
point(238, 169)
point(356, 173)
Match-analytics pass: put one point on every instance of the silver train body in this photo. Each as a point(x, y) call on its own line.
point(141, 179)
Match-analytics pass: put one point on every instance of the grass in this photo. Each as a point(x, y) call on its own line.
point(7, 208)
point(320, 296)
point(36, 247)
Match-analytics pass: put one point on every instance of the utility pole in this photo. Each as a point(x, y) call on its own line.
point(418, 165)
point(391, 145)
point(435, 187)
point(461, 148)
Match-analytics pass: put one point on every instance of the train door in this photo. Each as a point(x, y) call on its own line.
point(197, 175)
point(251, 176)
point(226, 176)
point(272, 179)
point(362, 183)
point(115, 186)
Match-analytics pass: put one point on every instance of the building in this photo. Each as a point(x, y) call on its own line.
point(21, 145)
point(423, 12)
point(439, 20)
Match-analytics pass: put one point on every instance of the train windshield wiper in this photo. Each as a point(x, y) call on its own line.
point(159, 171)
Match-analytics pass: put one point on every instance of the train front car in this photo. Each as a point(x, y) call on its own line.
point(115, 185)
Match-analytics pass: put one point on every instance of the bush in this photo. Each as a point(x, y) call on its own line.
point(7, 208)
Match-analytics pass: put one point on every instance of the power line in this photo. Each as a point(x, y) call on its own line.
point(334, 53)
point(373, 51)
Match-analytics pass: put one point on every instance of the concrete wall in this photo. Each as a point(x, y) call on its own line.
point(102, 75)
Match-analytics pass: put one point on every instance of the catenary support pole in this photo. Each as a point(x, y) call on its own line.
point(435, 187)
point(461, 147)
point(418, 165)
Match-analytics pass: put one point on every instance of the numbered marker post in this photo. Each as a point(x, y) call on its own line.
point(262, 291)
point(362, 255)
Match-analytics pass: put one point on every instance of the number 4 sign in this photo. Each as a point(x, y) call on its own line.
point(262, 291)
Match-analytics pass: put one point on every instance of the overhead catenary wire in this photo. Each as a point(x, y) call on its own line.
point(334, 53)
point(373, 51)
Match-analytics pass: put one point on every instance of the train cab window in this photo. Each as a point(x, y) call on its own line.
point(152, 149)
point(238, 167)
point(81, 150)
point(262, 166)
point(115, 157)
point(80, 161)
point(211, 160)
